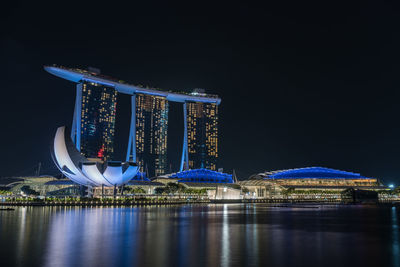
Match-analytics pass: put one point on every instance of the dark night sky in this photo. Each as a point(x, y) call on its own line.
point(302, 84)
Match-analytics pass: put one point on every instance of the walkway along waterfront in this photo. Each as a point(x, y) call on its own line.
point(174, 200)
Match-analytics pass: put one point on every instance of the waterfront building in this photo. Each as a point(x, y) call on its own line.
point(82, 171)
point(151, 134)
point(218, 185)
point(137, 188)
point(34, 185)
point(97, 123)
point(202, 124)
point(316, 176)
point(41, 186)
point(202, 176)
point(311, 182)
point(199, 178)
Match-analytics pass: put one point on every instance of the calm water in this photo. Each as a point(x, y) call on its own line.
point(201, 235)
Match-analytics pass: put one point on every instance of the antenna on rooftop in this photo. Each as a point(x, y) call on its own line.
point(94, 70)
point(38, 169)
point(234, 176)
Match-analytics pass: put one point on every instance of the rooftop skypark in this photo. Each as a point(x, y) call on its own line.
point(78, 75)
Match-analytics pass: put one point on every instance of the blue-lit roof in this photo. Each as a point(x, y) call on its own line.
point(203, 176)
point(314, 173)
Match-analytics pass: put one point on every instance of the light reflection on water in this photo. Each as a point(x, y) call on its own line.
point(225, 238)
point(395, 236)
point(201, 235)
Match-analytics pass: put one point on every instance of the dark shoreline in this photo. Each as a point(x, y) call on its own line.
point(274, 203)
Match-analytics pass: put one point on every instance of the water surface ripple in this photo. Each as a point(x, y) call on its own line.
point(201, 235)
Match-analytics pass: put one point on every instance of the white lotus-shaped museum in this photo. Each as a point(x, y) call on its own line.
point(89, 173)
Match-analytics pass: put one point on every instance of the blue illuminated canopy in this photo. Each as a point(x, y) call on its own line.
point(313, 173)
point(203, 176)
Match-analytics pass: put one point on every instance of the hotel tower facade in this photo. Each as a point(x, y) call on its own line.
point(93, 126)
point(151, 134)
point(97, 108)
point(202, 123)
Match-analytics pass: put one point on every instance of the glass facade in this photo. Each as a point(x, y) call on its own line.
point(151, 134)
point(98, 108)
point(202, 126)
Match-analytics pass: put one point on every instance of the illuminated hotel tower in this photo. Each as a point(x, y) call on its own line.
point(96, 105)
point(202, 135)
point(151, 134)
point(94, 118)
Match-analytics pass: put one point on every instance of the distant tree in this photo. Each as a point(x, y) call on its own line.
point(5, 192)
point(396, 190)
point(245, 190)
point(172, 188)
point(139, 190)
point(159, 190)
point(28, 191)
point(135, 190)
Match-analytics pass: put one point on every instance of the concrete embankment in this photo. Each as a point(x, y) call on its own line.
point(112, 203)
point(100, 203)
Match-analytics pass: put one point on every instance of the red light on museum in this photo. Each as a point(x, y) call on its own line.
point(100, 153)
